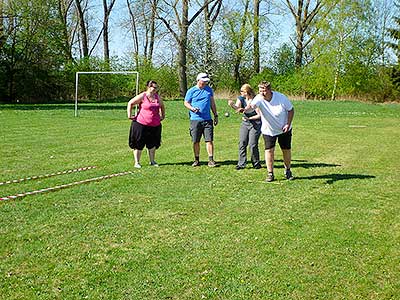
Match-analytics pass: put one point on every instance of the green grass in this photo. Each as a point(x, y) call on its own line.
point(176, 232)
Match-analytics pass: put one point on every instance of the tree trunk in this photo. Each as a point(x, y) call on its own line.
point(210, 16)
point(338, 66)
point(183, 48)
point(83, 31)
point(2, 35)
point(299, 45)
point(107, 11)
point(240, 44)
point(134, 34)
point(207, 33)
point(256, 37)
point(63, 8)
point(152, 30)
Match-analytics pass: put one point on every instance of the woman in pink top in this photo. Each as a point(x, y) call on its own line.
point(146, 125)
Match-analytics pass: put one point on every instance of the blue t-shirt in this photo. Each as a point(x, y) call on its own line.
point(200, 98)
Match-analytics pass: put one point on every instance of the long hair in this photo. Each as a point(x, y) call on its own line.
point(247, 88)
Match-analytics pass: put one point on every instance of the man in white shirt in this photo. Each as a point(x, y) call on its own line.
point(276, 116)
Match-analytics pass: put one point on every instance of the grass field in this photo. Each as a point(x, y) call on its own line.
point(177, 232)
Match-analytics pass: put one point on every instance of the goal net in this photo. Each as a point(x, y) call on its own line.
point(108, 86)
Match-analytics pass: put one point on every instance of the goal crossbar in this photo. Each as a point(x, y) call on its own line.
point(99, 72)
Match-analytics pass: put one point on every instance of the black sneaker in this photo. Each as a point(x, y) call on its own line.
point(257, 166)
point(239, 167)
point(289, 175)
point(196, 163)
point(270, 177)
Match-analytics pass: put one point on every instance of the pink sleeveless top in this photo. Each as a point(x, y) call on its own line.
point(149, 113)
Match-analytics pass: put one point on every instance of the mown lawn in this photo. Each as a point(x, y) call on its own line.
point(177, 232)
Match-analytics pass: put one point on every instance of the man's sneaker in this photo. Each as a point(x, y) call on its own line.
point(212, 164)
point(270, 177)
point(196, 163)
point(257, 166)
point(289, 175)
point(239, 167)
point(154, 164)
point(137, 166)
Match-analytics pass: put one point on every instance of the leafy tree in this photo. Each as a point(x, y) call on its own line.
point(237, 32)
point(344, 48)
point(394, 33)
point(284, 60)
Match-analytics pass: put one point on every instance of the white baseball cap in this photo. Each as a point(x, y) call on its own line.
point(203, 77)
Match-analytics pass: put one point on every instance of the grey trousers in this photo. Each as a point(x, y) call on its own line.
point(250, 131)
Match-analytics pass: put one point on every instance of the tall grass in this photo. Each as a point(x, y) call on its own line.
point(177, 232)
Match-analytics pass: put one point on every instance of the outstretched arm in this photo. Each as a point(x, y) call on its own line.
point(236, 106)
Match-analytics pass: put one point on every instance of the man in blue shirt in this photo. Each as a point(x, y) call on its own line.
point(199, 100)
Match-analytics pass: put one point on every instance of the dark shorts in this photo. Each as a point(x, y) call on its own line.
point(284, 140)
point(201, 128)
point(142, 135)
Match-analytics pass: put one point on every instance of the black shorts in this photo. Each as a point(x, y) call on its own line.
point(284, 140)
point(142, 135)
point(201, 128)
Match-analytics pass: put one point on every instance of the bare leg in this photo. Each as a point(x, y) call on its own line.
point(152, 154)
point(210, 148)
point(287, 157)
point(137, 154)
point(196, 149)
point(269, 159)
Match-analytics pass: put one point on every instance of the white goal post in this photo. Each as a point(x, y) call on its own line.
point(98, 72)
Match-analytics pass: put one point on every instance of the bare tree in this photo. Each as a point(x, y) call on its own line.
point(83, 30)
point(143, 17)
point(107, 11)
point(180, 33)
point(303, 18)
point(64, 7)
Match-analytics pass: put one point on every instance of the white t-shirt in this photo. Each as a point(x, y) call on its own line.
point(274, 113)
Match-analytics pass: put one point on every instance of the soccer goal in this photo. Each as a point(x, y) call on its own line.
point(77, 76)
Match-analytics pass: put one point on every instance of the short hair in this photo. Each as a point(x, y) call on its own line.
point(264, 84)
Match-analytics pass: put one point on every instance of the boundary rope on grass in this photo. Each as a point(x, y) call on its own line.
point(47, 175)
point(59, 187)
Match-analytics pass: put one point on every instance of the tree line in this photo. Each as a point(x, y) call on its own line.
point(334, 49)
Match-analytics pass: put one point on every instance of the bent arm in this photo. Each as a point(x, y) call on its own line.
point(162, 109)
point(289, 120)
point(189, 106)
point(134, 101)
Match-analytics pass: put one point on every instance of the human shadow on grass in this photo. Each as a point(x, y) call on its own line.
point(188, 163)
point(296, 163)
point(301, 163)
point(331, 178)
